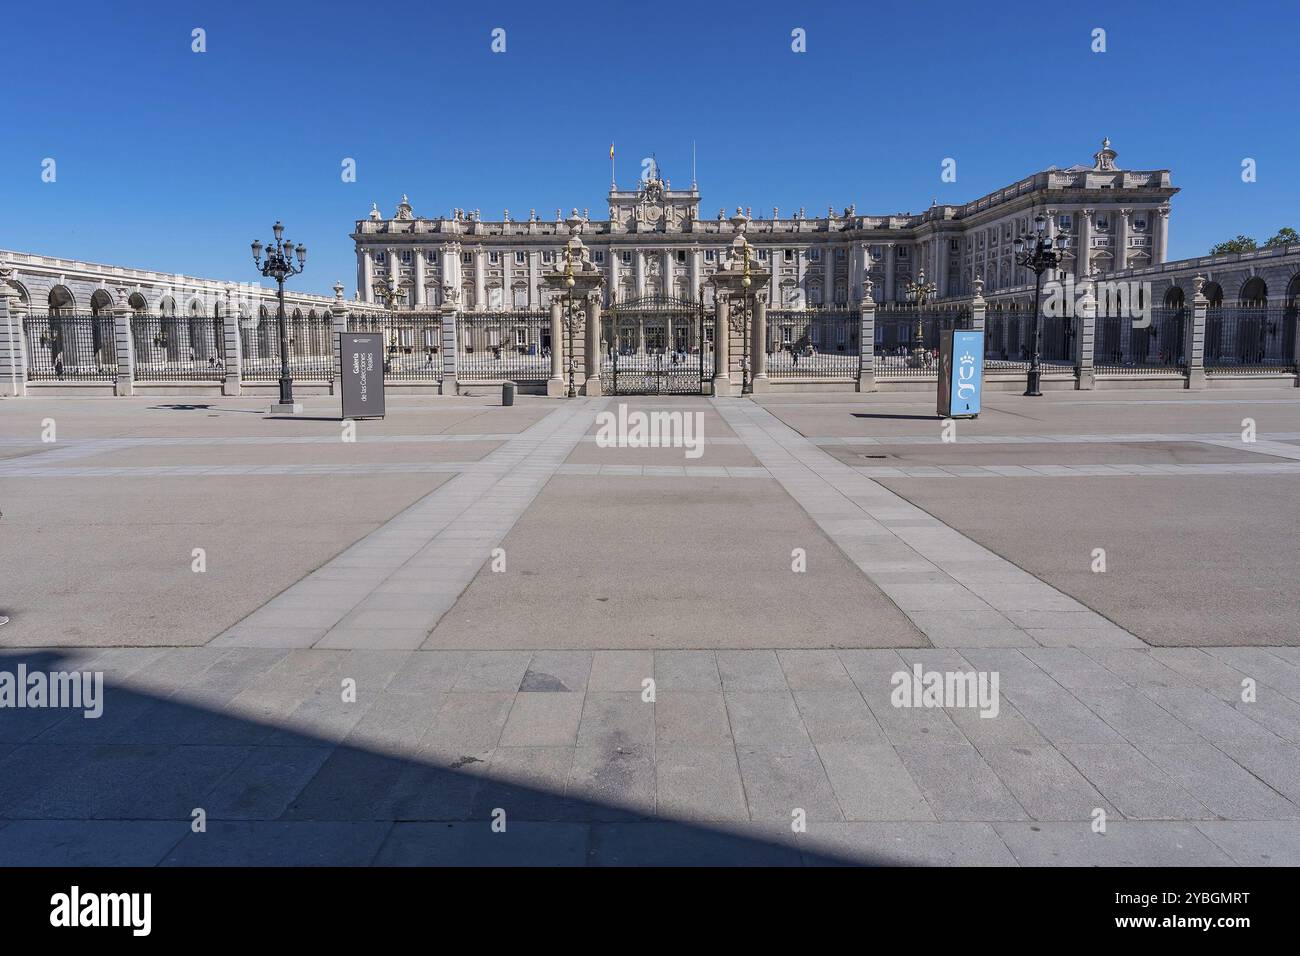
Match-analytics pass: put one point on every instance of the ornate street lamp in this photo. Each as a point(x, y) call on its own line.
point(1038, 253)
point(279, 265)
point(920, 293)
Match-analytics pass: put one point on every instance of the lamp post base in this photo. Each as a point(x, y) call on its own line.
point(286, 408)
point(1031, 384)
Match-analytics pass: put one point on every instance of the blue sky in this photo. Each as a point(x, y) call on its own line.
point(174, 160)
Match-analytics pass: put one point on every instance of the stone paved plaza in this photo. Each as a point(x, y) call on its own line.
point(499, 587)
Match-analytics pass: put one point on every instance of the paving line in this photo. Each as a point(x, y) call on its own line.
point(957, 592)
point(390, 589)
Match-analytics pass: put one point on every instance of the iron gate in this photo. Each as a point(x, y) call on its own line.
point(656, 345)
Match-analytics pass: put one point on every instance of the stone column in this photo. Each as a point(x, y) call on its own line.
point(801, 273)
point(555, 384)
point(125, 345)
point(667, 272)
point(758, 346)
point(1194, 335)
point(480, 279)
point(1085, 337)
point(640, 273)
point(420, 300)
point(1083, 254)
point(1120, 258)
point(891, 256)
point(697, 271)
point(507, 279)
point(721, 350)
point(13, 340)
point(593, 346)
point(450, 344)
point(338, 324)
point(867, 340)
point(614, 263)
point(1162, 236)
point(232, 348)
point(367, 277)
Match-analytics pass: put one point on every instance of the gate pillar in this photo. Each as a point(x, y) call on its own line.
point(593, 386)
point(574, 279)
point(739, 275)
point(721, 350)
point(758, 346)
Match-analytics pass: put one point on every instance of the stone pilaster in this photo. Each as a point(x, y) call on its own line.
point(555, 384)
point(592, 357)
point(124, 343)
point(13, 341)
point(1194, 335)
point(232, 347)
point(758, 347)
point(1085, 339)
point(450, 340)
point(721, 350)
point(867, 339)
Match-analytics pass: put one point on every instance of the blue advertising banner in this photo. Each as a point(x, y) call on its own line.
point(961, 373)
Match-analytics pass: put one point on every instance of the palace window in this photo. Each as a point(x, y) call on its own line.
point(494, 257)
point(902, 252)
point(627, 258)
point(681, 255)
point(814, 255)
point(1140, 223)
point(467, 258)
point(548, 256)
point(839, 255)
point(432, 258)
point(789, 255)
point(1064, 221)
point(1103, 223)
point(406, 257)
point(598, 256)
point(521, 337)
point(520, 258)
point(379, 258)
point(710, 255)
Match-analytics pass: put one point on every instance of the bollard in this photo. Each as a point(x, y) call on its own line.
point(508, 393)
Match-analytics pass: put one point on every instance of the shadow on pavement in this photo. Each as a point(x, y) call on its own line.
point(120, 790)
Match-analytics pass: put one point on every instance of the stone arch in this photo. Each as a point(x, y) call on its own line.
point(62, 301)
point(1293, 292)
point(1214, 293)
point(101, 302)
point(137, 303)
point(1254, 293)
point(1174, 297)
point(166, 305)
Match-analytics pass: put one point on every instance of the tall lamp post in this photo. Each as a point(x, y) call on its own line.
point(739, 321)
point(1038, 253)
point(279, 266)
point(920, 293)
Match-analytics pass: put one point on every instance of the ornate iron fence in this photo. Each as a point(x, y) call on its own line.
point(1008, 335)
point(907, 340)
point(1122, 347)
point(813, 343)
point(177, 348)
point(504, 346)
point(1250, 340)
point(655, 344)
point(70, 348)
point(412, 343)
point(311, 348)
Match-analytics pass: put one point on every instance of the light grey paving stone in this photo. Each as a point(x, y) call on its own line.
point(750, 671)
point(1134, 785)
point(396, 722)
point(687, 670)
point(1256, 842)
point(1084, 637)
point(1276, 763)
point(428, 671)
point(468, 723)
point(324, 713)
point(493, 671)
point(1218, 782)
point(1202, 670)
point(475, 844)
point(905, 844)
point(1008, 729)
point(1263, 665)
point(614, 721)
point(814, 670)
point(1138, 668)
point(1279, 714)
point(691, 719)
point(557, 671)
point(1056, 713)
point(337, 843)
point(872, 669)
point(1044, 782)
point(543, 720)
point(913, 725)
point(1125, 843)
point(780, 781)
point(1137, 718)
point(612, 784)
point(1212, 718)
point(699, 783)
point(165, 786)
point(953, 633)
point(766, 719)
point(871, 783)
point(83, 843)
point(620, 671)
point(264, 785)
point(834, 716)
point(1075, 670)
point(958, 784)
